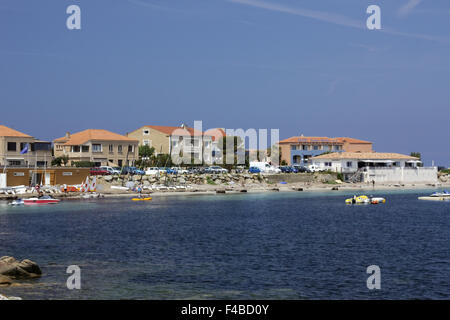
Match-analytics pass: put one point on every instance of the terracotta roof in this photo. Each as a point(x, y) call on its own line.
point(365, 156)
point(187, 131)
point(8, 132)
point(312, 140)
point(323, 140)
point(353, 140)
point(82, 137)
point(215, 133)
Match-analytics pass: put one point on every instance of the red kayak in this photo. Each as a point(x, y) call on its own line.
point(43, 200)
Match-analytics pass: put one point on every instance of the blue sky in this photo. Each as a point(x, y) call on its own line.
point(305, 66)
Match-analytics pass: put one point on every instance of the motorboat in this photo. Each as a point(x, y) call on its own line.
point(17, 202)
point(358, 200)
point(41, 200)
point(377, 200)
point(437, 196)
point(365, 200)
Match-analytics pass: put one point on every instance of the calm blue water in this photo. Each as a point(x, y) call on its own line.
point(246, 246)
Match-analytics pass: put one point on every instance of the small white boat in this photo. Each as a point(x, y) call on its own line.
point(17, 202)
point(437, 196)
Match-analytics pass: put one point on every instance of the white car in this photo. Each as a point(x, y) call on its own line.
point(111, 170)
point(314, 168)
point(152, 171)
point(179, 170)
point(217, 169)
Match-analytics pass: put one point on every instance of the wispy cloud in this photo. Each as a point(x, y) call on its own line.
point(307, 13)
point(332, 87)
point(336, 19)
point(406, 9)
point(148, 4)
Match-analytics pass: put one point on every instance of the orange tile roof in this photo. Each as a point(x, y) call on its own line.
point(311, 140)
point(187, 131)
point(215, 133)
point(364, 156)
point(323, 140)
point(82, 137)
point(8, 132)
point(353, 140)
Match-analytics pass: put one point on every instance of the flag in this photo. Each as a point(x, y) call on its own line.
point(25, 149)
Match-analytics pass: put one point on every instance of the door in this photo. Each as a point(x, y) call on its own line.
point(47, 179)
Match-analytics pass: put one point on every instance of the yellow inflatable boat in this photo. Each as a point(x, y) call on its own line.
point(141, 199)
point(358, 200)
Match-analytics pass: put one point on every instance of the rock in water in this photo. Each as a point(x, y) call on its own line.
point(25, 269)
point(5, 281)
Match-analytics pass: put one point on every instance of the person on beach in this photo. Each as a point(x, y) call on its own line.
point(139, 190)
point(373, 183)
point(65, 188)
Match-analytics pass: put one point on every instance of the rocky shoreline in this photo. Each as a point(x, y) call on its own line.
point(115, 186)
point(12, 270)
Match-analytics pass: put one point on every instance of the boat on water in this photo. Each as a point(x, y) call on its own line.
point(365, 200)
point(437, 196)
point(41, 200)
point(141, 199)
point(18, 202)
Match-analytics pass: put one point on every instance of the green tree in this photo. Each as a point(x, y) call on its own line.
point(417, 155)
point(146, 152)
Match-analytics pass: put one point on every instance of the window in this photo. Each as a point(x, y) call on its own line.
point(316, 147)
point(119, 148)
point(84, 148)
point(14, 162)
point(146, 132)
point(349, 164)
point(146, 143)
point(111, 148)
point(59, 147)
point(96, 148)
point(337, 147)
point(305, 147)
point(75, 148)
point(120, 162)
point(327, 164)
point(293, 147)
point(12, 146)
point(23, 145)
point(130, 148)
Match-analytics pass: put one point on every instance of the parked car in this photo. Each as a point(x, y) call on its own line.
point(217, 169)
point(302, 168)
point(314, 168)
point(132, 170)
point(111, 170)
point(99, 172)
point(152, 171)
point(265, 167)
point(285, 169)
point(254, 170)
point(179, 170)
point(294, 170)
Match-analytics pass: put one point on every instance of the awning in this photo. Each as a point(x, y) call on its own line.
point(414, 161)
point(15, 158)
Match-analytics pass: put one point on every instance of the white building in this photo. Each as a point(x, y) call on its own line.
point(378, 167)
